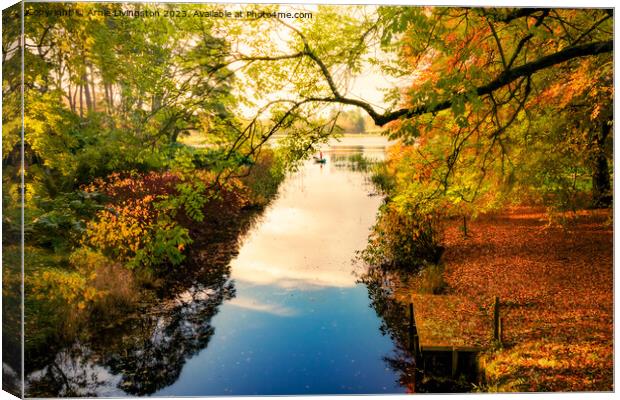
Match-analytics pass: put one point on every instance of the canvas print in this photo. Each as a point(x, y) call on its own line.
point(204, 199)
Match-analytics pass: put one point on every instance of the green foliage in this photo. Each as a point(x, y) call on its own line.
point(350, 121)
point(62, 220)
point(191, 197)
point(264, 177)
point(382, 179)
point(165, 247)
point(57, 296)
point(402, 241)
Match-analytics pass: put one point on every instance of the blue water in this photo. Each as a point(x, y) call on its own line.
point(299, 324)
point(290, 319)
point(331, 344)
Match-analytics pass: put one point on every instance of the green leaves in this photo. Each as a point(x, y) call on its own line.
point(192, 198)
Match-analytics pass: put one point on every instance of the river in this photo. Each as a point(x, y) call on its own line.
point(290, 317)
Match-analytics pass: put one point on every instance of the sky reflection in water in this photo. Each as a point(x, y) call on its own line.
point(299, 324)
point(291, 319)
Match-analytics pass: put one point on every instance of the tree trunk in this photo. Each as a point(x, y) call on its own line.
point(92, 86)
point(89, 101)
point(601, 181)
point(70, 97)
point(74, 99)
point(109, 99)
point(81, 102)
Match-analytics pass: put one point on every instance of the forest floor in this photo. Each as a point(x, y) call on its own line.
point(555, 285)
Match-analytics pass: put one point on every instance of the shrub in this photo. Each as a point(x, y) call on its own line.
point(430, 280)
point(58, 296)
point(264, 177)
point(403, 241)
point(384, 180)
point(164, 245)
point(114, 283)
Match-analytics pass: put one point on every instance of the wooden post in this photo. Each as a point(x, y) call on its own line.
point(455, 361)
point(496, 321)
point(411, 329)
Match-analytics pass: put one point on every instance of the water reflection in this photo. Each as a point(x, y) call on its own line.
point(394, 323)
point(307, 239)
point(301, 323)
point(431, 371)
point(286, 316)
point(143, 355)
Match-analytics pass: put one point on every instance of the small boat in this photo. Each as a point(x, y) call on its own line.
point(320, 160)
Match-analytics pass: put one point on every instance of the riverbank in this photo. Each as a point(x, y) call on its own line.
point(272, 309)
point(555, 286)
point(155, 235)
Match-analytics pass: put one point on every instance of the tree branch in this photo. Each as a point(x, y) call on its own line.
point(500, 81)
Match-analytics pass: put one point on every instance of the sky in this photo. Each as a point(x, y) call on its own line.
point(369, 85)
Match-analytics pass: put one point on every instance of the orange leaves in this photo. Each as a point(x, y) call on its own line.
point(556, 292)
point(450, 38)
point(121, 187)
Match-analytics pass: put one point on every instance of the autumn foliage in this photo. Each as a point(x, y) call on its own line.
point(555, 285)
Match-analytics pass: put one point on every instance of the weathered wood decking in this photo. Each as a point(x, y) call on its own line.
point(450, 323)
point(446, 326)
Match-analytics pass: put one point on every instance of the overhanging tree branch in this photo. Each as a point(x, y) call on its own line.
point(504, 78)
point(500, 81)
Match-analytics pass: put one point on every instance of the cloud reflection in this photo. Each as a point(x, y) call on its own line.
point(308, 237)
point(255, 305)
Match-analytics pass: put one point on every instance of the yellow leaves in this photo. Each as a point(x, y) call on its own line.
point(121, 229)
point(595, 112)
point(542, 366)
point(53, 284)
point(547, 363)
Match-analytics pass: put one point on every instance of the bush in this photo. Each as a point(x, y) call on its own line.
point(65, 222)
point(165, 245)
point(138, 228)
point(430, 280)
point(58, 296)
point(264, 177)
point(114, 284)
point(403, 241)
point(383, 179)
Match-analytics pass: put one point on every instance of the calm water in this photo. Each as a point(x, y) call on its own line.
point(289, 319)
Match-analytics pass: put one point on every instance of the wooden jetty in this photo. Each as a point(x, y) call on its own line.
point(448, 327)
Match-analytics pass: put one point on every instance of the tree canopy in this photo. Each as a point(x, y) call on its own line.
point(487, 88)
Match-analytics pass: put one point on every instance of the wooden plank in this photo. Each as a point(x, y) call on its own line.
point(455, 361)
point(447, 323)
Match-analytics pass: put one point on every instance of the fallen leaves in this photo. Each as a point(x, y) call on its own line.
point(556, 290)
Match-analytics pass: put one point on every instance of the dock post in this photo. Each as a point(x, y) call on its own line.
point(455, 361)
point(501, 329)
point(496, 321)
point(411, 330)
